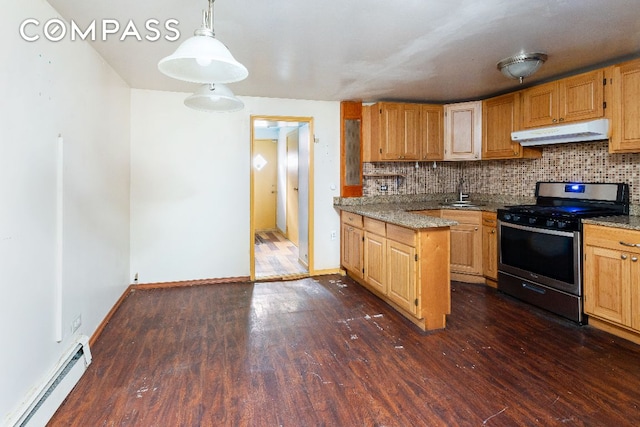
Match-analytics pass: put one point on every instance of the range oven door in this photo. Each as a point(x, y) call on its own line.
point(547, 257)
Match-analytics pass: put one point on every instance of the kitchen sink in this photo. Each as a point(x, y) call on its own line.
point(462, 204)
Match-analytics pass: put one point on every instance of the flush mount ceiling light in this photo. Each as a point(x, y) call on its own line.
point(203, 58)
point(214, 97)
point(523, 65)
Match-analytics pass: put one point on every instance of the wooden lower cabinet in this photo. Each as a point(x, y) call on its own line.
point(612, 280)
point(351, 244)
point(406, 268)
point(490, 248)
point(466, 244)
point(375, 255)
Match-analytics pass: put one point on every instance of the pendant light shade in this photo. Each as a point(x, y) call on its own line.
point(214, 98)
point(203, 58)
point(523, 65)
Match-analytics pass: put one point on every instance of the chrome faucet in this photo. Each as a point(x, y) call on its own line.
point(461, 195)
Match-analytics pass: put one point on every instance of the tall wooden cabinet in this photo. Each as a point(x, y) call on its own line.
point(571, 99)
point(500, 117)
point(612, 280)
point(624, 108)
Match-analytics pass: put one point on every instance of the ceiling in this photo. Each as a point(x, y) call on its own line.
point(371, 50)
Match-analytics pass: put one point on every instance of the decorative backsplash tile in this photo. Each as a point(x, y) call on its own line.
point(584, 162)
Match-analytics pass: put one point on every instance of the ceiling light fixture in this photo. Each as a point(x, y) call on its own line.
point(214, 97)
point(523, 65)
point(203, 58)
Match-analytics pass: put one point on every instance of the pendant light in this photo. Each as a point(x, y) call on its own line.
point(214, 97)
point(203, 58)
point(523, 65)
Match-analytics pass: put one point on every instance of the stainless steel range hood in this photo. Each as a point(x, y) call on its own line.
point(576, 132)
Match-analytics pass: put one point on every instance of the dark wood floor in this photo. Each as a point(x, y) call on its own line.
point(325, 352)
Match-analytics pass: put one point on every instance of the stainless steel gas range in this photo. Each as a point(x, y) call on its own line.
point(540, 246)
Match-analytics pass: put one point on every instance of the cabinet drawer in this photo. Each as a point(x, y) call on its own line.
point(489, 219)
point(401, 234)
point(612, 238)
point(375, 226)
point(352, 219)
point(463, 216)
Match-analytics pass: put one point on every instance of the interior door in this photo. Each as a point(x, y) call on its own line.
point(265, 171)
point(292, 187)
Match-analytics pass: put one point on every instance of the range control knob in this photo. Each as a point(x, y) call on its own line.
point(550, 223)
point(562, 224)
point(516, 217)
point(507, 216)
point(532, 220)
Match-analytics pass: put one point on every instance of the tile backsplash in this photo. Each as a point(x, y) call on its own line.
point(585, 162)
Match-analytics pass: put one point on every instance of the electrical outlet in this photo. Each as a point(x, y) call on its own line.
point(334, 235)
point(77, 322)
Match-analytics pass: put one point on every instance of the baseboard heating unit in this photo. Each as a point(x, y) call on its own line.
point(39, 410)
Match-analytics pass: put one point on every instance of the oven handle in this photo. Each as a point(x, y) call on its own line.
point(534, 288)
point(538, 230)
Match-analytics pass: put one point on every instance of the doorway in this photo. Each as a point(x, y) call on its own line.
point(281, 195)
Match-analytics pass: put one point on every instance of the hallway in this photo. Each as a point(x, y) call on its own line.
point(276, 256)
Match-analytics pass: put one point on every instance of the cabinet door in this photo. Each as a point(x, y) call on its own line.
point(352, 249)
point(500, 117)
point(490, 250)
point(625, 108)
point(391, 131)
point(466, 245)
point(581, 97)
point(375, 251)
point(634, 274)
point(606, 285)
point(466, 241)
point(411, 136)
point(463, 131)
point(433, 132)
point(401, 275)
point(540, 105)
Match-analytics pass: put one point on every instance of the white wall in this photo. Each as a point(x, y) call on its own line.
point(190, 185)
point(50, 89)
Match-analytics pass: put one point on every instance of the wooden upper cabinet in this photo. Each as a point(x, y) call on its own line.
point(624, 108)
point(391, 130)
point(410, 140)
point(432, 118)
point(463, 131)
point(500, 117)
point(567, 100)
point(402, 132)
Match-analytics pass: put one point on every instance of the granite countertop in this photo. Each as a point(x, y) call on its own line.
point(631, 222)
point(400, 210)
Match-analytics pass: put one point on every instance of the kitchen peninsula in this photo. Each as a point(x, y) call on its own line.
point(400, 249)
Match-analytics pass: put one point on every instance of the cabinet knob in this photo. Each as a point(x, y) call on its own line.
point(554, 120)
point(476, 228)
point(493, 231)
point(623, 256)
point(562, 119)
point(634, 259)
